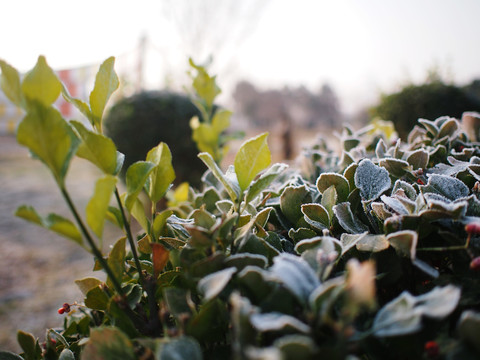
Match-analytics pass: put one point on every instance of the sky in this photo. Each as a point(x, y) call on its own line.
point(361, 48)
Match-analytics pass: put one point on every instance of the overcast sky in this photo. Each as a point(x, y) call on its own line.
point(360, 47)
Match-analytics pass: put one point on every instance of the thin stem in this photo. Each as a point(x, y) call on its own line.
point(138, 322)
point(147, 284)
point(96, 252)
point(128, 231)
point(448, 248)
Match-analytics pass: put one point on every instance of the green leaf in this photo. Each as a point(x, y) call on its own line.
point(106, 82)
point(28, 344)
point(252, 157)
point(296, 275)
point(136, 178)
point(82, 106)
point(342, 187)
point(162, 175)
point(212, 285)
point(241, 261)
point(278, 322)
point(10, 84)
point(348, 220)
point(96, 299)
point(468, 328)
point(138, 212)
point(232, 190)
point(291, 200)
point(221, 121)
point(41, 84)
point(205, 137)
point(205, 85)
point(97, 207)
point(448, 186)
point(296, 346)
point(63, 227)
point(97, 149)
point(116, 260)
point(30, 214)
point(181, 348)
point(403, 314)
point(329, 200)
point(66, 354)
point(372, 180)
point(49, 137)
point(87, 284)
point(53, 222)
point(316, 215)
point(404, 242)
point(397, 317)
point(264, 180)
point(418, 159)
point(159, 228)
point(108, 343)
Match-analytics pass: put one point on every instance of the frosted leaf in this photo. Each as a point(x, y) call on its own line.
point(372, 180)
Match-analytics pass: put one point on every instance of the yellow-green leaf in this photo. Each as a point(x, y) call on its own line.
point(82, 106)
point(232, 191)
point(205, 137)
point(49, 137)
point(41, 84)
point(10, 84)
point(116, 260)
point(63, 227)
point(28, 213)
point(252, 157)
point(87, 284)
point(204, 84)
point(159, 223)
point(138, 212)
point(179, 195)
point(97, 207)
point(108, 343)
point(136, 178)
point(106, 82)
point(162, 175)
point(96, 148)
point(221, 121)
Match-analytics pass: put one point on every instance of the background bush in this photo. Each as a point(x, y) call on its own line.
point(429, 101)
point(140, 122)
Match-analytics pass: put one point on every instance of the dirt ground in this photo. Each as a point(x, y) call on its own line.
point(37, 267)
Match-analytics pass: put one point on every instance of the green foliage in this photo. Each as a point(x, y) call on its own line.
point(428, 101)
point(208, 131)
point(370, 253)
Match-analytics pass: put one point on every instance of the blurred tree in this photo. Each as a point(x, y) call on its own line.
point(304, 108)
point(429, 101)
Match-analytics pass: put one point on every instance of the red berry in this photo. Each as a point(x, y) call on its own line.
point(61, 311)
point(475, 264)
point(473, 228)
point(432, 349)
point(66, 307)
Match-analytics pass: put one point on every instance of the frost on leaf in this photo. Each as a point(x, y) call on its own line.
point(372, 180)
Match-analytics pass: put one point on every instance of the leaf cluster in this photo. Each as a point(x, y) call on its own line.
point(367, 253)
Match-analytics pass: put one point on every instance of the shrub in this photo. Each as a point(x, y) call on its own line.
point(371, 254)
point(138, 123)
point(428, 101)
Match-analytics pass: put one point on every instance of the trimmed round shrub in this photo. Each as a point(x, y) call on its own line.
point(428, 101)
point(142, 121)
